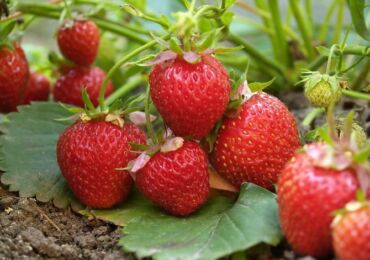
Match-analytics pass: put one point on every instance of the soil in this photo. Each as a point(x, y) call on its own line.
point(33, 230)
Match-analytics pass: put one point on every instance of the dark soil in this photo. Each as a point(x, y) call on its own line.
point(40, 231)
point(32, 230)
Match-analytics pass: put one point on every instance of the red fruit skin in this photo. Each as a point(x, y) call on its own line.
point(255, 145)
point(89, 154)
point(79, 43)
point(308, 195)
point(178, 181)
point(14, 73)
point(351, 236)
point(68, 87)
point(190, 97)
point(38, 88)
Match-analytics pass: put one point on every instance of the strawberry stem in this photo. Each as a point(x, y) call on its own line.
point(356, 94)
point(312, 115)
point(147, 117)
point(120, 92)
point(332, 52)
point(123, 60)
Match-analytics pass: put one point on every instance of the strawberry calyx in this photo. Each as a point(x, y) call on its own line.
point(352, 206)
point(169, 143)
point(340, 152)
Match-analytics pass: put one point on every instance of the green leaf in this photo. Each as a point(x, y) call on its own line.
point(28, 151)
point(229, 3)
point(259, 86)
point(132, 10)
point(217, 230)
point(175, 46)
point(6, 29)
point(227, 18)
point(135, 206)
point(363, 155)
point(87, 101)
point(356, 8)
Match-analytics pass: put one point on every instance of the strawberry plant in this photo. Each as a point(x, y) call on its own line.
point(200, 129)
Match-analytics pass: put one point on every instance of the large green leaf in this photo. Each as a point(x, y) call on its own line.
point(218, 229)
point(135, 206)
point(27, 154)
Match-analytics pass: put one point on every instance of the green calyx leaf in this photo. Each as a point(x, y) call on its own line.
point(6, 29)
point(174, 45)
point(89, 106)
point(363, 155)
point(259, 86)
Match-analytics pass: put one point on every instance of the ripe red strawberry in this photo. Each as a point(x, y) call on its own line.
point(308, 195)
point(37, 89)
point(68, 87)
point(177, 180)
point(89, 154)
point(255, 144)
point(351, 235)
point(190, 97)
point(80, 42)
point(14, 74)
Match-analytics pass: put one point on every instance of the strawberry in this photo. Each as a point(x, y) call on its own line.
point(190, 97)
point(351, 233)
point(256, 143)
point(309, 192)
point(89, 154)
point(14, 74)
point(68, 87)
point(322, 89)
point(37, 89)
point(79, 42)
point(176, 180)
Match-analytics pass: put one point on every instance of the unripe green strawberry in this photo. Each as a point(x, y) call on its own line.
point(321, 89)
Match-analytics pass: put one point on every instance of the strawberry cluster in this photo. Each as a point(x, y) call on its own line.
point(254, 141)
point(78, 41)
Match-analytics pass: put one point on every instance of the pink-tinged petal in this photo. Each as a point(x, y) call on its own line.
point(363, 175)
point(191, 57)
point(167, 133)
point(163, 57)
point(139, 119)
point(243, 91)
point(172, 144)
point(140, 162)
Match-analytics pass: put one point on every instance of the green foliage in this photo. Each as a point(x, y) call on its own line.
point(357, 8)
point(218, 229)
point(27, 149)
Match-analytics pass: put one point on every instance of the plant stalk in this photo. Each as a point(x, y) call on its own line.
point(53, 12)
point(356, 94)
point(304, 28)
point(120, 63)
point(253, 52)
point(282, 44)
point(122, 91)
